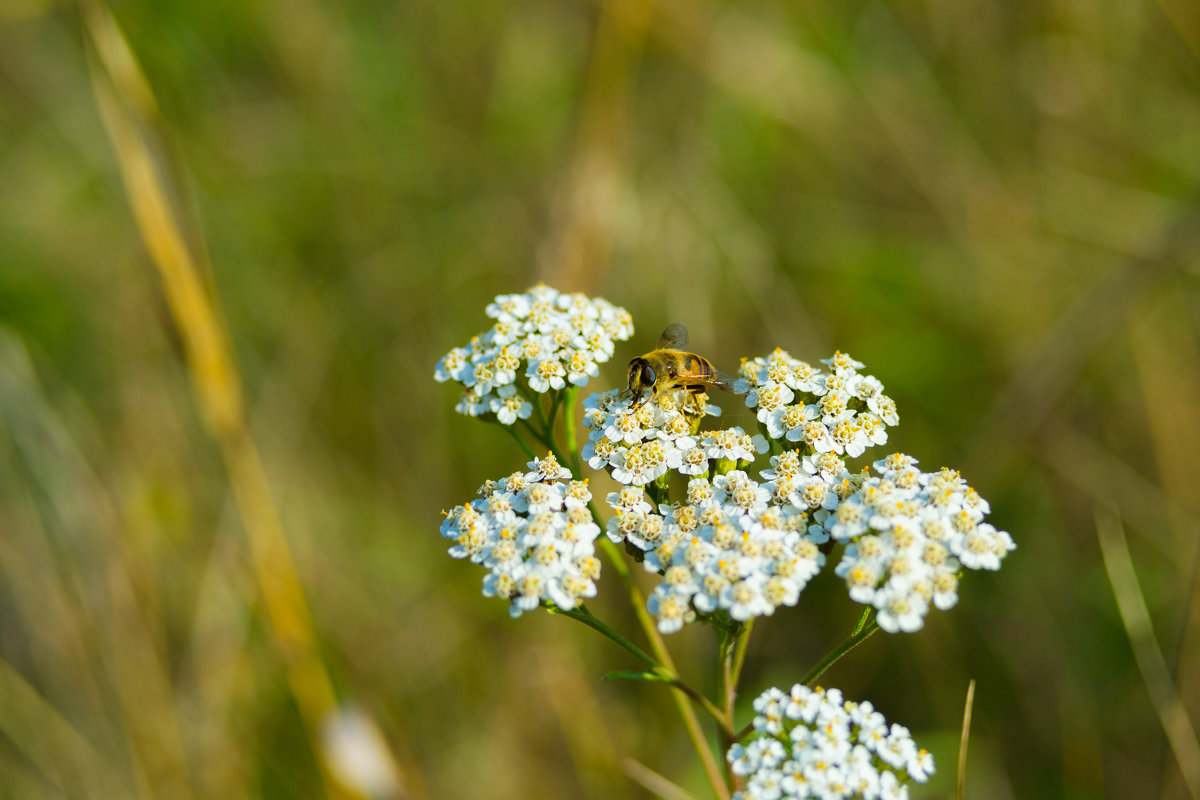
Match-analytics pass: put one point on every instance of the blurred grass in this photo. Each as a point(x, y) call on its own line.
point(995, 206)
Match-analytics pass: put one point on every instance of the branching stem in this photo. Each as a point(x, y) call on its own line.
point(862, 631)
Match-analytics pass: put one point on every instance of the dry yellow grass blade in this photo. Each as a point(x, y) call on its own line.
point(1181, 735)
point(128, 110)
point(653, 782)
point(960, 790)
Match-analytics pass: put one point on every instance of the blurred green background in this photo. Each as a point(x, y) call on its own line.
point(995, 206)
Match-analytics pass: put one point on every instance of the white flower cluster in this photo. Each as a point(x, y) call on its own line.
point(816, 482)
point(640, 445)
point(910, 533)
point(535, 535)
point(728, 547)
point(838, 411)
point(738, 545)
point(812, 743)
point(546, 337)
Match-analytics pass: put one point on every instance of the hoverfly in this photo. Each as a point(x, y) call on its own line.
point(668, 367)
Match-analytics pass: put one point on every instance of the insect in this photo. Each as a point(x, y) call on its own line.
point(667, 367)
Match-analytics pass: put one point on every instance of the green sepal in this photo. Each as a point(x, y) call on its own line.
point(720, 621)
point(634, 552)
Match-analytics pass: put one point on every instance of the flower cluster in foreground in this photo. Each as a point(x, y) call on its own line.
point(909, 535)
point(534, 534)
point(542, 340)
point(640, 445)
point(813, 743)
point(737, 545)
point(730, 546)
point(839, 411)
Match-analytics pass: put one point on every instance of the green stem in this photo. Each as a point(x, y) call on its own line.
point(545, 436)
point(555, 403)
point(726, 690)
point(569, 426)
point(517, 438)
point(688, 714)
point(709, 707)
point(535, 400)
point(739, 657)
point(862, 631)
point(739, 660)
point(733, 658)
point(532, 430)
point(546, 442)
point(726, 693)
point(582, 614)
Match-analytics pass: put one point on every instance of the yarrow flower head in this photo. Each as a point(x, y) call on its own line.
point(542, 340)
point(836, 410)
point(639, 445)
point(534, 534)
point(816, 482)
point(909, 535)
point(813, 743)
point(730, 547)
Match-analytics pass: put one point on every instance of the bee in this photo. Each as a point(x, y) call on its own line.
point(667, 367)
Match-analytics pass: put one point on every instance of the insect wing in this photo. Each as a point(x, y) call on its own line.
point(726, 382)
point(675, 337)
point(699, 371)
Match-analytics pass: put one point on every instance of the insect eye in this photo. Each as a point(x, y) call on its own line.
point(647, 375)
